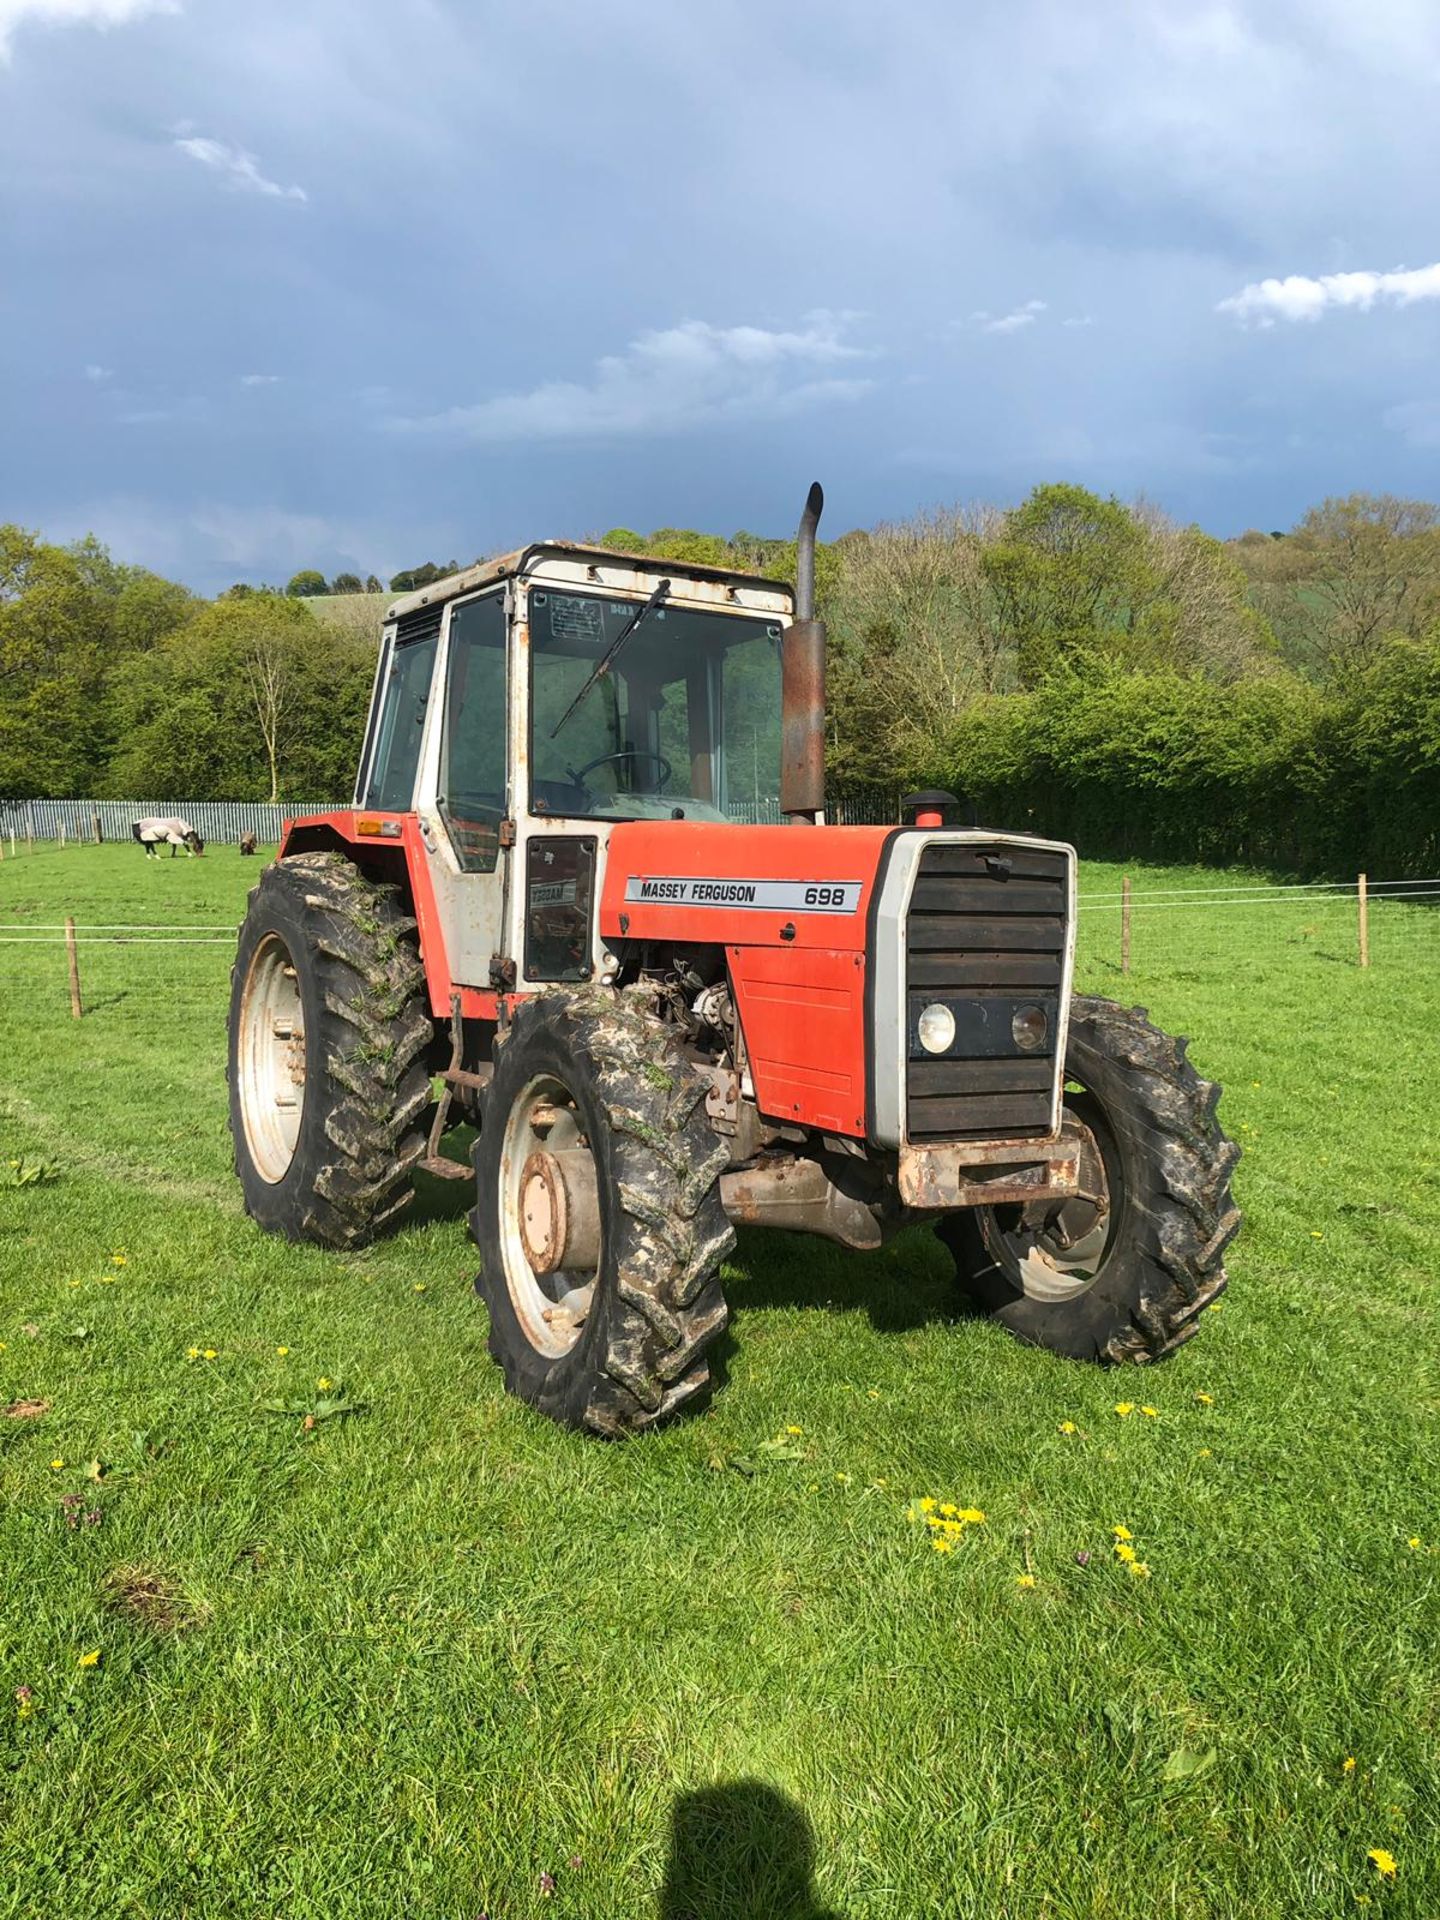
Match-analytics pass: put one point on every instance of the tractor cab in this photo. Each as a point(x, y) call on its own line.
point(526, 707)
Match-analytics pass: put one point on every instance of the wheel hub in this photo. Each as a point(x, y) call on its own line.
point(1054, 1249)
point(550, 1216)
point(270, 1059)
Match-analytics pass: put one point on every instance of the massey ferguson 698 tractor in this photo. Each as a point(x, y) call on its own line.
point(552, 913)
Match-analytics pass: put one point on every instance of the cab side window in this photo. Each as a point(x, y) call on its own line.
point(404, 698)
point(473, 785)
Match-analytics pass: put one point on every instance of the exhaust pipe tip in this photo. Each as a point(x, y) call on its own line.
point(802, 760)
point(805, 552)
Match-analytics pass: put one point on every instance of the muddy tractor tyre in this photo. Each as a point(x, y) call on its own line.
point(1121, 1272)
point(329, 1031)
point(598, 1213)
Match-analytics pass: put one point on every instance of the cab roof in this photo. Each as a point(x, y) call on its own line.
point(508, 566)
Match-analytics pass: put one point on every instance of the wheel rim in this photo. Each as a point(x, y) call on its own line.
point(549, 1216)
point(271, 1059)
point(1053, 1251)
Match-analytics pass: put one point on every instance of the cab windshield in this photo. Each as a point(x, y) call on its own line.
point(684, 725)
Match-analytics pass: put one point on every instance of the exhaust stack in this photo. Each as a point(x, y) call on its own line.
point(802, 699)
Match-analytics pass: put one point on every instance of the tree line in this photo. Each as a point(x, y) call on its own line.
point(1073, 663)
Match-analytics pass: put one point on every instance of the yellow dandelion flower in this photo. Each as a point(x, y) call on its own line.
point(842, 1479)
point(1413, 1543)
point(872, 1393)
point(210, 1354)
point(119, 1259)
point(927, 1505)
point(1068, 1426)
point(90, 1659)
point(420, 1286)
point(943, 1544)
point(1206, 1399)
point(192, 1353)
point(1025, 1580)
point(1124, 1551)
point(1139, 1569)
point(1124, 1408)
point(795, 1430)
point(948, 1509)
point(952, 1527)
point(880, 1483)
point(1151, 1413)
point(1349, 1766)
point(1205, 1453)
point(972, 1516)
point(57, 1466)
point(282, 1351)
point(1122, 1533)
point(2, 1346)
point(1385, 1864)
point(324, 1384)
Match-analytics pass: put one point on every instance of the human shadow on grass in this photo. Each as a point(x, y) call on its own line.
point(743, 1851)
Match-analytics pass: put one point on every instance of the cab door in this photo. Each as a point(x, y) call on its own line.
point(465, 787)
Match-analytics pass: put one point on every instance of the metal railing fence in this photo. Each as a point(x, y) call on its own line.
point(221, 821)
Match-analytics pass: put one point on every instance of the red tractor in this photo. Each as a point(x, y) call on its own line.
point(586, 901)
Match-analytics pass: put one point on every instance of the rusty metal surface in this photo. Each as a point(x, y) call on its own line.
point(987, 1173)
point(713, 581)
point(798, 1196)
point(802, 735)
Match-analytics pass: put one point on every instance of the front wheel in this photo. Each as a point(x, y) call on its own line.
point(1121, 1270)
point(598, 1213)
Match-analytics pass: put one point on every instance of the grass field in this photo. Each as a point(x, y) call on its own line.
point(413, 1660)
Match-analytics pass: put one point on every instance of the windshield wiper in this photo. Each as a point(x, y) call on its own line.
point(607, 659)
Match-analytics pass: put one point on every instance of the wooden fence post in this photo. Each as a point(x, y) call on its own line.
point(62, 836)
point(1125, 924)
point(29, 831)
point(95, 825)
point(74, 959)
point(1362, 894)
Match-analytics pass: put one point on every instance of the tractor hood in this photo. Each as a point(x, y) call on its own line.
point(687, 882)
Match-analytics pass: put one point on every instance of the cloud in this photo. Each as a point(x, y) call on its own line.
point(98, 374)
point(672, 379)
point(1079, 320)
point(259, 379)
point(1417, 422)
point(1009, 322)
point(1298, 297)
point(69, 13)
point(240, 169)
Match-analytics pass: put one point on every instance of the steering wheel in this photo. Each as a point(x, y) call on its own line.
point(577, 774)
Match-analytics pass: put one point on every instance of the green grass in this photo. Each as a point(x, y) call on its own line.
point(407, 1662)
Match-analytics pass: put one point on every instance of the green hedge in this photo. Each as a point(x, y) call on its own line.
point(1270, 772)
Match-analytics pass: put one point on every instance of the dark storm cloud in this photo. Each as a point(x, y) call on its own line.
point(353, 285)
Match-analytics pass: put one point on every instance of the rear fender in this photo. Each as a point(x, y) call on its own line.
point(391, 847)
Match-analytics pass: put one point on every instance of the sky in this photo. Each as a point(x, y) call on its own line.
point(355, 285)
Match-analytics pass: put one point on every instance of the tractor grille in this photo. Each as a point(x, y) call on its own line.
point(985, 937)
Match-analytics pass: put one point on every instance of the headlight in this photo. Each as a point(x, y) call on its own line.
point(936, 1028)
point(1030, 1028)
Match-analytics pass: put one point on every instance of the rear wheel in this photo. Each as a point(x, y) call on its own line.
point(328, 1037)
point(598, 1213)
point(1121, 1270)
